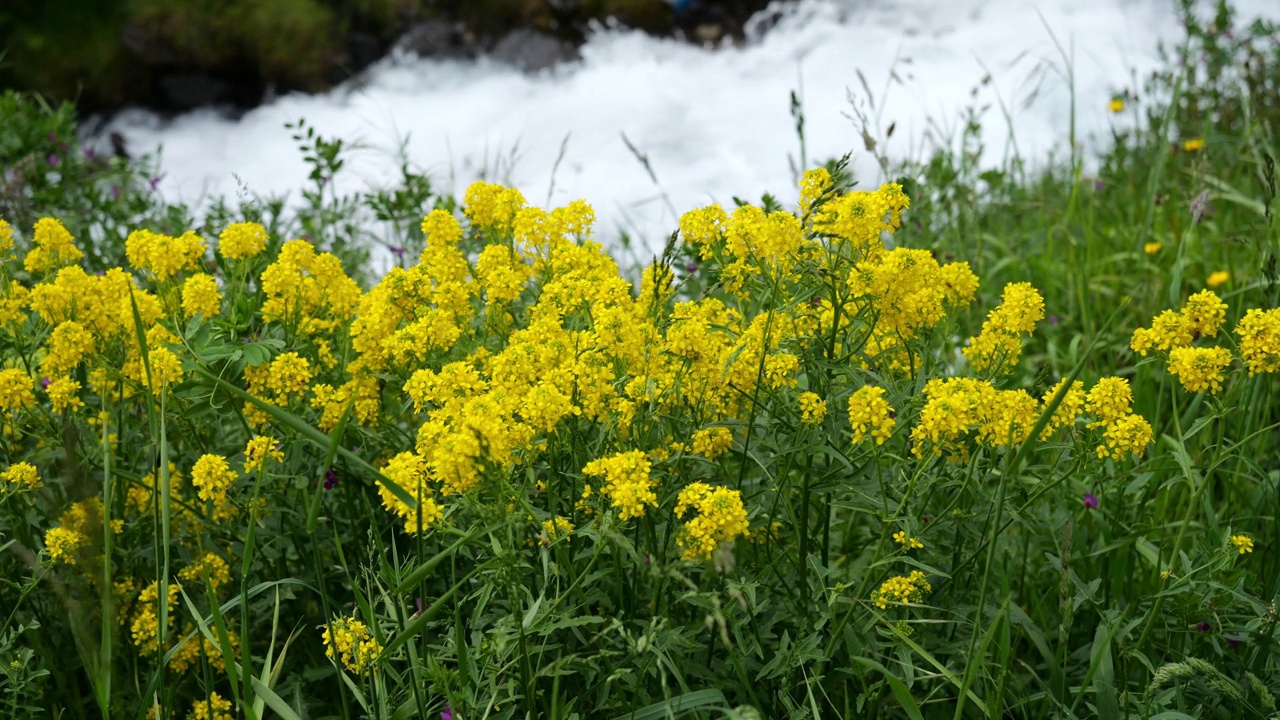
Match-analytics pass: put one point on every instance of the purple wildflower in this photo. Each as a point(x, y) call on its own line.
point(398, 251)
point(448, 711)
point(1203, 626)
point(692, 267)
point(1090, 501)
point(53, 159)
point(156, 181)
point(1099, 185)
point(44, 383)
point(330, 479)
point(1233, 642)
point(1053, 319)
point(89, 153)
point(115, 193)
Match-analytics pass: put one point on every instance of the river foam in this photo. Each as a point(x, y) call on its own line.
point(713, 124)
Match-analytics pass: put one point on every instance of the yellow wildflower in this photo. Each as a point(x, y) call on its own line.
point(713, 441)
point(720, 518)
point(1193, 144)
point(19, 477)
point(627, 482)
point(870, 413)
point(1259, 332)
point(902, 589)
point(1217, 279)
point(812, 408)
point(1242, 543)
point(200, 296)
point(1152, 248)
point(242, 240)
point(1199, 369)
point(348, 640)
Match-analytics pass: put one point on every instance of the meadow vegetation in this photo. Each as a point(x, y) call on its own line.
point(991, 440)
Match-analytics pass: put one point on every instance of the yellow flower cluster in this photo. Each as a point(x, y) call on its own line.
point(161, 255)
point(720, 517)
point(16, 390)
point(1242, 543)
point(260, 449)
point(713, 441)
point(54, 247)
point(902, 589)
point(870, 413)
point(215, 707)
point(82, 521)
point(998, 347)
point(348, 640)
point(212, 478)
point(145, 628)
point(409, 471)
point(21, 476)
point(211, 567)
point(1173, 333)
point(627, 482)
point(812, 408)
point(242, 240)
point(1259, 332)
point(64, 394)
point(556, 528)
point(200, 296)
point(1124, 434)
point(308, 290)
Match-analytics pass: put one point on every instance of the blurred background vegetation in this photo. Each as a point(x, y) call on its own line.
point(178, 54)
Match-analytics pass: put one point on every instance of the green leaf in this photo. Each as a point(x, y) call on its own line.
point(679, 704)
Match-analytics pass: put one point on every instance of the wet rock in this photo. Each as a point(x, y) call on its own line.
point(187, 90)
point(531, 50)
point(437, 39)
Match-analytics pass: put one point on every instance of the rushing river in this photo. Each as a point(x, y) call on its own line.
point(713, 124)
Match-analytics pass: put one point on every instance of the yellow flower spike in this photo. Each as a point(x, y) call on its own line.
point(627, 482)
point(812, 408)
point(242, 240)
point(21, 476)
point(1259, 332)
point(713, 441)
point(870, 414)
point(200, 296)
point(1193, 145)
point(1199, 369)
point(718, 517)
point(1152, 248)
point(348, 640)
point(1217, 279)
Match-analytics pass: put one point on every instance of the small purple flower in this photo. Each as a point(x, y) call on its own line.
point(692, 267)
point(115, 193)
point(330, 479)
point(1203, 626)
point(1099, 184)
point(44, 383)
point(1090, 501)
point(156, 181)
point(448, 711)
point(90, 153)
point(53, 159)
point(1233, 642)
point(1053, 319)
point(53, 137)
point(398, 251)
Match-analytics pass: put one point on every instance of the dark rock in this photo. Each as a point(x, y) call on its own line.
point(436, 39)
point(364, 49)
point(187, 90)
point(531, 50)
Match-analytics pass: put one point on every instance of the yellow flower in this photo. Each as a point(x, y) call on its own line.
point(870, 413)
point(1117, 105)
point(1152, 248)
point(1193, 144)
point(902, 589)
point(62, 394)
point(907, 542)
point(1217, 279)
point(200, 296)
point(627, 482)
point(16, 390)
point(1243, 543)
point(258, 451)
point(557, 527)
point(214, 708)
point(1259, 332)
point(212, 567)
point(720, 518)
point(212, 477)
point(1199, 369)
point(1109, 401)
point(62, 544)
point(162, 255)
point(242, 240)
point(997, 347)
point(6, 240)
point(349, 640)
point(20, 476)
point(713, 441)
point(54, 247)
point(1129, 435)
point(492, 207)
point(812, 408)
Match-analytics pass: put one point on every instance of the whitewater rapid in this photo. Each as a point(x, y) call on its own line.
point(713, 124)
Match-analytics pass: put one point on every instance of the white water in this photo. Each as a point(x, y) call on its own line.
point(713, 124)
